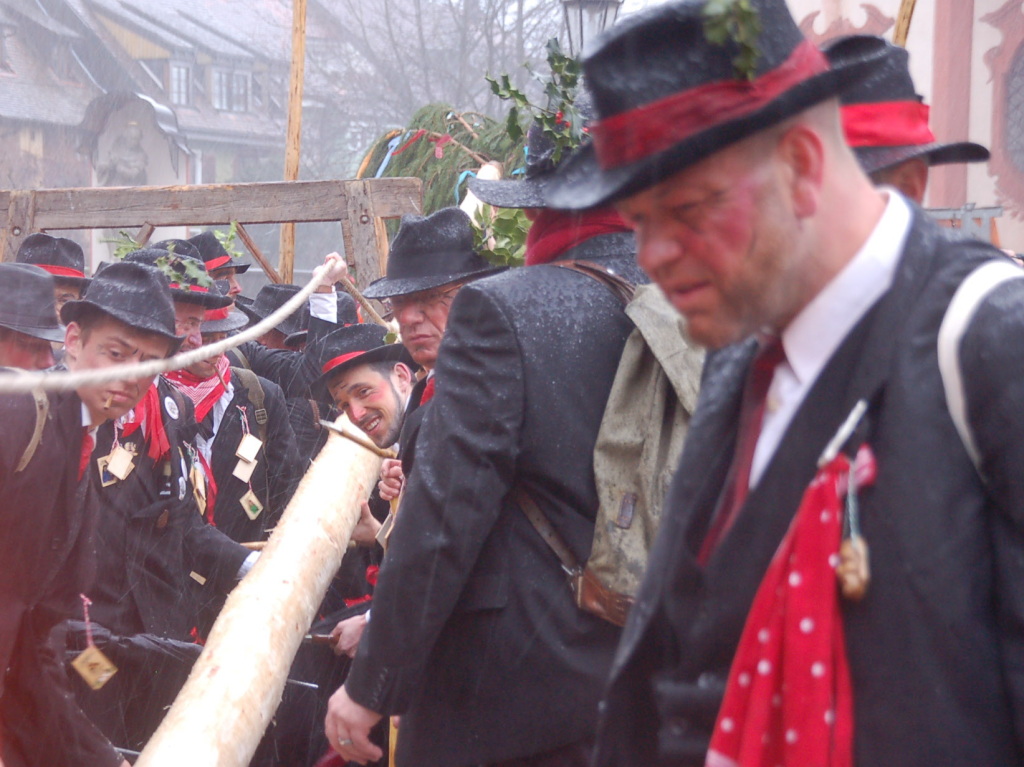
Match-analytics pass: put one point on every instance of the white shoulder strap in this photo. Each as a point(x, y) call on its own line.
point(968, 297)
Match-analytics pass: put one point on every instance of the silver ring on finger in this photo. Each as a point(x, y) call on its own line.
point(345, 742)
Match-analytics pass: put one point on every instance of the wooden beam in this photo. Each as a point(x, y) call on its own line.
point(253, 248)
point(20, 207)
point(366, 239)
point(207, 205)
point(293, 146)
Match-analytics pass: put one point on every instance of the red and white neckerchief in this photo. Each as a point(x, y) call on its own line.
point(147, 417)
point(789, 699)
point(204, 392)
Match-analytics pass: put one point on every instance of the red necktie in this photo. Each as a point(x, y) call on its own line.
point(428, 391)
point(755, 393)
point(88, 443)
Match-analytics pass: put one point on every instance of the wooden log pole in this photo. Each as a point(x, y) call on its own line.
point(903, 18)
point(253, 248)
point(286, 263)
point(235, 687)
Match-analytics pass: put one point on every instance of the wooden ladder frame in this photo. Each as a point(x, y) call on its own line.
point(360, 206)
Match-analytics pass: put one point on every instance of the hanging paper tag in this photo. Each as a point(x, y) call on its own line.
point(249, 447)
point(385, 530)
point(94, 667)
point(121, 463)
point(106, 478)
point(251, 504)
point(244, 469)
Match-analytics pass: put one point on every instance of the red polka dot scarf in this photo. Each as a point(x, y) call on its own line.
point(788, 700)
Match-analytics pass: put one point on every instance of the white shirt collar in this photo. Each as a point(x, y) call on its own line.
point(814, 335)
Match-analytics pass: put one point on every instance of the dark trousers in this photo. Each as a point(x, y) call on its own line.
point(574, 755)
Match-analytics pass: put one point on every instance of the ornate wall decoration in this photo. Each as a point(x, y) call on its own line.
point(1006, 64)
point(877, 23)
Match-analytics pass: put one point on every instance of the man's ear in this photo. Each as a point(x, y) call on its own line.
point(74, 340)
point(802, 151)
point(404, 375)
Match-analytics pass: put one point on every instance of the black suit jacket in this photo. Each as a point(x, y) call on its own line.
point(47, 557)
point(474, 635)
point(278, 468)
point(936, 648)
point(152, 538)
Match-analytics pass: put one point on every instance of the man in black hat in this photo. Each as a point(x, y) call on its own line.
point(886, 123)
point(158, 559)
point(28, 318)
point(430, 259)
point(61, 257)
point(234, 407)
point(475, 637)
point(761, 631)
point(47, 556)
point(219, 263)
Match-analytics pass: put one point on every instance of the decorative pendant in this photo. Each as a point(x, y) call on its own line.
point(854, 568)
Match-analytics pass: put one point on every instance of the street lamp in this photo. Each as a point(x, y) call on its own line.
point(586, 19)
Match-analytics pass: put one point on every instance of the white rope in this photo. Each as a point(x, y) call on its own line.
point(26, 381)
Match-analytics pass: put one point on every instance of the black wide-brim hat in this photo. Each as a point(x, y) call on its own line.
point(223, 321)
point(884, 118)
point(667, 98)
point(61, 257)
point(133, 293)
point(428, 252)
point(27, 304)
point(271, 298)
point(183, 287)
point(348, 347)
point(214, 254)
point(873, 159)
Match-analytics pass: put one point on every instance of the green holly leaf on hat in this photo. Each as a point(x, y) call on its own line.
point(736, 22)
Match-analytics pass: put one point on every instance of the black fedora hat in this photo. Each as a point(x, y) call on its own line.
point(214, 254)
point(347, 347)
point(528, 191)
point(133, 293)
point(61, 257)
point(226, 319)
point(178, 247)
point(428, 252)
point(666, 97)
point(26, 302)
point(884, 118)
point(271, 298)
point(188, 281)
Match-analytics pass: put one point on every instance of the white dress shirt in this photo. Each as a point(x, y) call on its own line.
point(816, 333)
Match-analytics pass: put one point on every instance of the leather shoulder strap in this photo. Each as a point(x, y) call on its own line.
point(42, 411)
point(257, 397)
point(551, 537)
point(622, 288)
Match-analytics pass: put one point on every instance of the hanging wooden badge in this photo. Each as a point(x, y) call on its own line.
point(249, 447)
point(244, 469)
point(251, 504)
point(121, 462)
point(94, 667)
point(106, 477)
point(91, 664)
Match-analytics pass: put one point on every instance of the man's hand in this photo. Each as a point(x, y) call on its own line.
point(391, 479)
point(337, 270)
point(347, 727)
point(365, 531)
point(345, 636)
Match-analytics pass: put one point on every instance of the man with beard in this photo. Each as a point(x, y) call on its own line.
point(47, 555)
point(836, 580)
